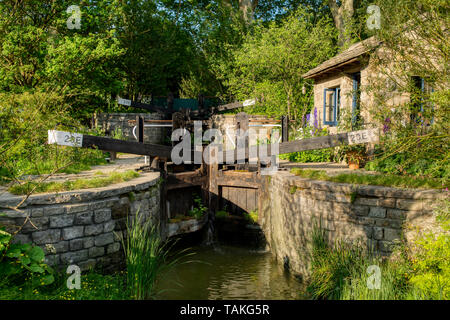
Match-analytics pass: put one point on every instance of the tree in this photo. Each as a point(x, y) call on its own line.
point(158, 52)
point(39, 52)
point(271, 61)
point(342, 15)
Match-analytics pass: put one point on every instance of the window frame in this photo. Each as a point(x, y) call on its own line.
point(336, 102)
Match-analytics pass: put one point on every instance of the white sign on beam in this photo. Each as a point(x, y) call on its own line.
point(249, 102)
point(363, 136)
point(124, 102)
point(63, 138)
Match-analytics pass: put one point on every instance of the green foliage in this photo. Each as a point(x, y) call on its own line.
point(41, 187)
point(430, 259)
point(39, 52)
point(431, 267)
point(339, 272)
point(371, 179)
point(199, 209)
point(251, 217)
point(24, 123)
point(221, 214)
point(270, 63)
point(419, 270)
point(415, 41)
point(22, 264)
point(319, 155)
point(413, 161)
point(94, 286)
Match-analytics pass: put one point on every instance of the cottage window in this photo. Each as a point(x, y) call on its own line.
point(331, 102)
point(356, 101)
point(421, 108)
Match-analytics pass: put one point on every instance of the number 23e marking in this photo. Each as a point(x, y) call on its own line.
point(72, 139)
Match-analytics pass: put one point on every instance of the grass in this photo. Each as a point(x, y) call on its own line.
point(115, 177)
point(388, 180)
point(94, 286)
point(342, 272)
point(147, 258)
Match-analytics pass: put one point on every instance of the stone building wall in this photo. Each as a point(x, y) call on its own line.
point(113, 121)
point(83, 227)
point(377, 216)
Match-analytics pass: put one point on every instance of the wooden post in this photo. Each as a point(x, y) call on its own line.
point(284, 129)
point(201, 103)
point(213, 170)
point(170, 101)
point(242, 120)
point(140, 129)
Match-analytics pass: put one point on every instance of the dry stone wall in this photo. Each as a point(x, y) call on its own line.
point(377, 216)
point(83, 227)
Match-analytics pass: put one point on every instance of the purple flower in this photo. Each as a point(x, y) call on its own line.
point(386, 126)
point(316, 125)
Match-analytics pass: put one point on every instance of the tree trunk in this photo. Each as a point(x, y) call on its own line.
point(342, 19)
point(246, 6)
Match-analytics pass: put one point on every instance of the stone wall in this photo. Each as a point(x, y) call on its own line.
point(377, 216)
point(83, 227)
point(113, 121)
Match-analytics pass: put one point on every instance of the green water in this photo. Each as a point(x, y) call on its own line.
point(225, 272)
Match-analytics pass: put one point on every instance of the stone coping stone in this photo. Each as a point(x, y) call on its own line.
point(363, 190)
point(186, 226)
point(145, 181)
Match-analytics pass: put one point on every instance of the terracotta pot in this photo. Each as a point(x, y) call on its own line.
point(353, 166)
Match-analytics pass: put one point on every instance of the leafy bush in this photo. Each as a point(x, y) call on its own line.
point(430, 260)
point(320, 155)
point(199, 209)
point(387, 161)
point(22, 264)
point(221, 214)
point(24, 123)
point(251, 217)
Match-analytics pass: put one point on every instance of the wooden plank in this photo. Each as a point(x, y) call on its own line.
point(314, 143)
point(331, 141)
point(107, 144)
point(237, 183)
point(131, 147)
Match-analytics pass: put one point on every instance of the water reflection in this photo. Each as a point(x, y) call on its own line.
point(226, 272)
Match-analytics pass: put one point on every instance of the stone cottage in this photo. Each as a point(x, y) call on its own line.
point(340, 85)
